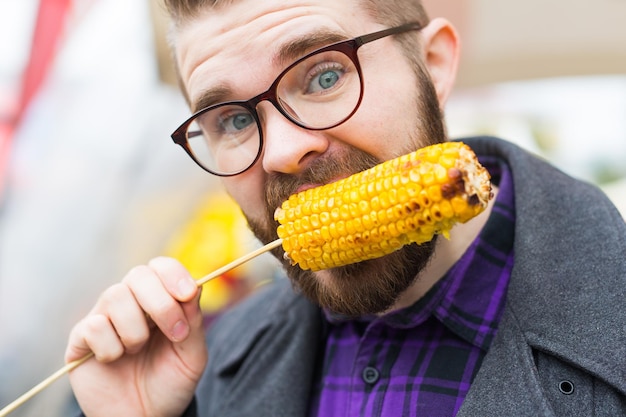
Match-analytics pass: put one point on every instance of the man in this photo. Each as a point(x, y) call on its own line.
point(520, 313)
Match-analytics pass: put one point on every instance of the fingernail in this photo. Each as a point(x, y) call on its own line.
point(179, 331)
point(187, 287)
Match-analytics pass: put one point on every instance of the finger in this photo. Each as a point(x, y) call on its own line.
point(127, 317)
point(95, 333)
point(175, 278)
point(148, 289)
point(193, 350)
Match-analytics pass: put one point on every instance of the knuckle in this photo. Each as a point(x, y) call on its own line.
point(112, 300)
point(164, 307)
point(169, 269)
point(112, 293)
point(111, 354)
point(95, 324)
point(163, 261)
point(99, 335)
point(133, 343)
point(137, 274)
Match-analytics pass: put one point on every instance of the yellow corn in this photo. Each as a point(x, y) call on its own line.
point(375, 212)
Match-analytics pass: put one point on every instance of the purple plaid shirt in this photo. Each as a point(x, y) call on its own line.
point(421, 360)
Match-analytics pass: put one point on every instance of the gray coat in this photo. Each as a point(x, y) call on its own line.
point(561, 345)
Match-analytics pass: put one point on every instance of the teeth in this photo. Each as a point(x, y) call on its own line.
point(288, 258)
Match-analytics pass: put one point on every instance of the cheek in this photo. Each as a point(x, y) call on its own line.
point(386, 120)
point(388, 116)
point(247, 191)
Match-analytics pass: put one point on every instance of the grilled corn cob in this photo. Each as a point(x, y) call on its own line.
point(375, 212)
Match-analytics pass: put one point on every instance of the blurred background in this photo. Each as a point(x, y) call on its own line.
point(91, 184)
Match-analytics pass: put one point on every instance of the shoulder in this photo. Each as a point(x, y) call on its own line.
point(541, 187)
point(272, 305)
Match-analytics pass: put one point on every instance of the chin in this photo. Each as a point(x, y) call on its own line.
point(364, 288)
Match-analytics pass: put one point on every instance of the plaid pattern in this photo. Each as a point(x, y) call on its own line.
point(421, 361)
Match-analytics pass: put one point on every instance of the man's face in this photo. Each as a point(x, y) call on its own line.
point(234, 51)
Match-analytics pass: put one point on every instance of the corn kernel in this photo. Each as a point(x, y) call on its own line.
point(377, 211)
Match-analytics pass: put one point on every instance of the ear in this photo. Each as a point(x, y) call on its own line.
point(441, 52)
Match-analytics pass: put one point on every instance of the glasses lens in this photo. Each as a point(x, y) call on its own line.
point(320, 91)
point(225, 140)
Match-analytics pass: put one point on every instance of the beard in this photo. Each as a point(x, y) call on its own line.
point(372, 286)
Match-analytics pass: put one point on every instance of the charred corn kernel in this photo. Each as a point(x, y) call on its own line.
point(373, 213)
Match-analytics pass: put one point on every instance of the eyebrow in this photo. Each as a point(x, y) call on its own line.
point(296, 48)
point(210, 97)
point(287, 53)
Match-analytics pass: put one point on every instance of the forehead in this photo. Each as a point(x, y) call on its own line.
point(235, 47)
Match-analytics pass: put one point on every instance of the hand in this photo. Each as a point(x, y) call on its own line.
point(147, 337)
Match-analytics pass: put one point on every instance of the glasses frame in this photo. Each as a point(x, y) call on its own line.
point(349, 47)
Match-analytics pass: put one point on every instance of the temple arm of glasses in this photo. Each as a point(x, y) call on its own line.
point(193, 134)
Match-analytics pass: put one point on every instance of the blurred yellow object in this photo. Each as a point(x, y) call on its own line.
point(212, 238)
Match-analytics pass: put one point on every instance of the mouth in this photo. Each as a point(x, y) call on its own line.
point(305, 187)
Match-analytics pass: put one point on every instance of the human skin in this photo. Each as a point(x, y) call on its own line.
point(146, 332)
point(386, 125)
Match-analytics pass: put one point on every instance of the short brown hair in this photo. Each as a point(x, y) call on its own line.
point(387, 12)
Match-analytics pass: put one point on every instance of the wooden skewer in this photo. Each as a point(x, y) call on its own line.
point(43, 385)
point(238, 262)
point(74, 364)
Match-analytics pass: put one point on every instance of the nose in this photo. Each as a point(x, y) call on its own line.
point(288, 148)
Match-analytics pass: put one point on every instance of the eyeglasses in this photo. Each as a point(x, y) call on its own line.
point(319, 91)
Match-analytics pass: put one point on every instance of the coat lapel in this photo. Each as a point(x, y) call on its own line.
point(507, 382)
point(566, 295)
point(567, 287)
point(268, 370)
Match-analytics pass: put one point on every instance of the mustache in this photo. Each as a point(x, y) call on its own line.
point(280, 186)
point(323, 170)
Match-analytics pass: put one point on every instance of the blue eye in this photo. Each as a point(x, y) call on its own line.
point(328, 79)
point(236, 122)
point(324, 77)
point(241, 121)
